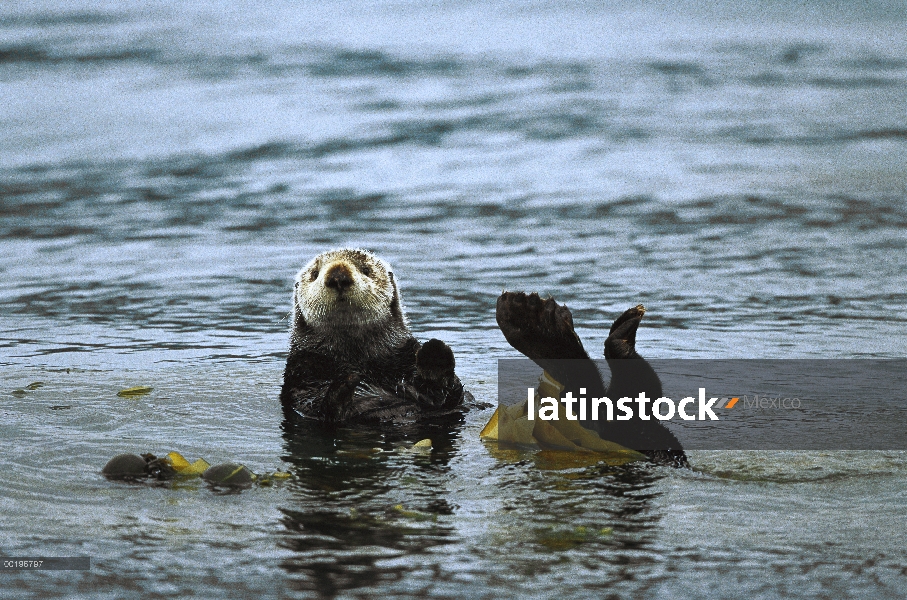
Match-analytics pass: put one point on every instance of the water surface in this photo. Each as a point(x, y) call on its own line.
point(165, 170)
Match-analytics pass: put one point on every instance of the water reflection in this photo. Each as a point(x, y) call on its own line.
point(363, 496)
point(368, 512)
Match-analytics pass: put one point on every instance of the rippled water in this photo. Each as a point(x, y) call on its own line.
point(165, 170)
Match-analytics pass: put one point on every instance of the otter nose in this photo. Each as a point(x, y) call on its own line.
point(338, 277)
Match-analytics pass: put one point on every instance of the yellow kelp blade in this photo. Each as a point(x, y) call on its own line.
point(196, 468)
point(184, 467)
point(177, 461)
point(586, 438)
point(549, 437)
point(139, 390)
point(562, 453)
point(518, 410)
point(490, 431)
point(511, 424)
point(515, 430)
point(549, 387)
point(559, 460)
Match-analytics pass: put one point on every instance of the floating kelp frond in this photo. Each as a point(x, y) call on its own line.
point(133, 392)
point(184, 467)
point(174, 466)
point(511, 425)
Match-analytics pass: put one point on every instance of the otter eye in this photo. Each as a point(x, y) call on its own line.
point(366, 270)
point(313, 275)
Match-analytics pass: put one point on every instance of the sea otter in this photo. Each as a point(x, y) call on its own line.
point(543, 331)
point(352, 356)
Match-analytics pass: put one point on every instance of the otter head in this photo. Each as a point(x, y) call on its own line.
point(345, 290)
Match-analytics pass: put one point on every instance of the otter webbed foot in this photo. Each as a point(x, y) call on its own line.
point(540, 329)
point(543, 331)
point(621, 342)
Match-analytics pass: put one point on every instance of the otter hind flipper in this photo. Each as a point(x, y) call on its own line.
point(632, 375)
point(543, 331)
point(621, 342)
point(540, 329)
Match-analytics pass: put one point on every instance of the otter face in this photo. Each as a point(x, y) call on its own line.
point(348, 288)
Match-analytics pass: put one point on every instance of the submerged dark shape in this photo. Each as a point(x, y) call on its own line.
point(543, 331)
point(126, 466)
point(229, 474)
point(133, 467)
point(352, 356)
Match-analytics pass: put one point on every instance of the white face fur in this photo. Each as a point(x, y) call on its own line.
point(344, 287)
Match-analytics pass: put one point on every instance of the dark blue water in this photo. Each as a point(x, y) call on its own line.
point(165, 170)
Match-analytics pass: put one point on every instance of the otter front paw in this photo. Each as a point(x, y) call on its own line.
point(621, 342)
point(435, 360)
point(540, 329)
point(338, 399)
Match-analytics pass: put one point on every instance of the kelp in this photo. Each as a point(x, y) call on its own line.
point(510, 426)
